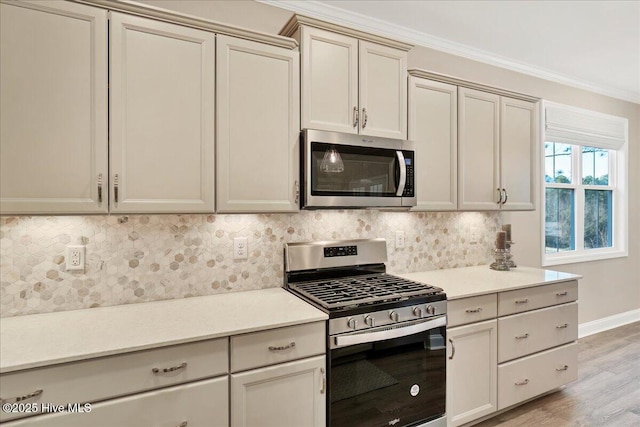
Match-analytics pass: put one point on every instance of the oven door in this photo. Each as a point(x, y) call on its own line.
point(389, 376)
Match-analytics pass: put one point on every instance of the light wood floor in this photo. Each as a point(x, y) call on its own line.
point(607, 392)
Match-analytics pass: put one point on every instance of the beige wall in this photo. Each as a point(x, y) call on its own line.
point(609, 287)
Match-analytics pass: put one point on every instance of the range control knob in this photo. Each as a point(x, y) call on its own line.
point(352, 323)
point(394, 316)
point(431, 310)
point(417, 311)
point(369, 320)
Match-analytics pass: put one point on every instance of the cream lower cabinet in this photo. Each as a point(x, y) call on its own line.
point(433, 125)
point(162, 113)
point(497, 142)
point(258, 124)
point(278, 377)
point(199, 404)
point(53, 108)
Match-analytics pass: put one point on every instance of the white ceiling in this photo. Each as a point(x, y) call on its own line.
point(594, 45)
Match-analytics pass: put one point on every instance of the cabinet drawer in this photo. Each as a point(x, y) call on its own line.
point(199, 404)
point(99, 379)
point(277, 345)
point(469, 310)
point(530, 376)
point(527, 333)
point(538, 297)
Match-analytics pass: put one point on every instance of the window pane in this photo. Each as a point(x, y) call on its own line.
point(598, 223)
point(557, 162)
point(595, 166)
point(559, 220)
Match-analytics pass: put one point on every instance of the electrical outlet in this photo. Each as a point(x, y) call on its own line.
point(75, 257)
point(240, 248)
point(400, 238)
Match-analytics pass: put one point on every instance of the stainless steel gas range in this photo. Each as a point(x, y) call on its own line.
point(386, 359)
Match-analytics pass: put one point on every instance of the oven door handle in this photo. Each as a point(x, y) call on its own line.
point(386, 334)
point(402, 167)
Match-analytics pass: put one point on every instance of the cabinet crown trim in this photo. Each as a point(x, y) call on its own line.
point(174, 17)
point(297, 21)
point(445, 78)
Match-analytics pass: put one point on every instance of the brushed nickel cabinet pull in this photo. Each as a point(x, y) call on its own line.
point(115, 188)
point(564, 326)
point(522, 337)
point(297, 193)
point(562, 294)
point(100, 188)
point(506, 195)
point(564, 368)
point(356, 117)
point(171, 369)
point(522, 301)
point(499, 202)
point(525, 382)
point(23, 397)
point(453, 349)
point(284, 347)
point(365, 117)
point(477, 310)
point(324, 381)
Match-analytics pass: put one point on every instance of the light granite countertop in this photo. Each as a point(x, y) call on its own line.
point(481, 280)
point(45, 339)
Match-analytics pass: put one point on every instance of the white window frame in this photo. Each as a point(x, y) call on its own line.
point(618, 182)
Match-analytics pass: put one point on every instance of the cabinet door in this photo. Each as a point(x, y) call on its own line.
point(518, 148)
point(383, 91)
point(288, 394)
point(433, 124)
point(197, 404)
point(162, 116)
point(53, 112)
point(472, 372)
point(329, 81)
point(478, 150)
point(258, 127)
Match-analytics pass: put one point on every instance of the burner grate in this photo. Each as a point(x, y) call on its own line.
point(365, 289)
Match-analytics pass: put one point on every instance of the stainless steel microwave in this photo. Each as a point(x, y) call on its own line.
point(353, 171)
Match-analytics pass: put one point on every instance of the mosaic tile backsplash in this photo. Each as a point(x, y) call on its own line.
point(139, 258)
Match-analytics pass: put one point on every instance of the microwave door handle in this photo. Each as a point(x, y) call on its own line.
point(403, 173)
point(386, 334)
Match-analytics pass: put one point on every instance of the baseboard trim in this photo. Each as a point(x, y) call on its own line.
point(606, 323)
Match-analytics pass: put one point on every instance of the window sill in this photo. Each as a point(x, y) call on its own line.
point(585, 256)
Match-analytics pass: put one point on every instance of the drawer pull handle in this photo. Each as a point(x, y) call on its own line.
point(562, 294)
point(522, 337)
point(525, 382)
point(324, 381)
point(564, 368)
point(284, 347)
point(23, 397)
point(562, 326)
point(183, 424)
point(453, 349)
point(522, 301)
point(171, 369)
point(477, 310)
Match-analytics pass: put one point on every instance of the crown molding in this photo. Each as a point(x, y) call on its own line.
point(320, 10)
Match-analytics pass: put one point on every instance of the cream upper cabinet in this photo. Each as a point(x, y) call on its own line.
point(472, 372)
point(162, 112)
point(53, 112)
point(287, 394)
point(351, 84)
point(329, 81)
point(383, 91)
point(433, 125)
point(496, 152)
point(257, 127)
